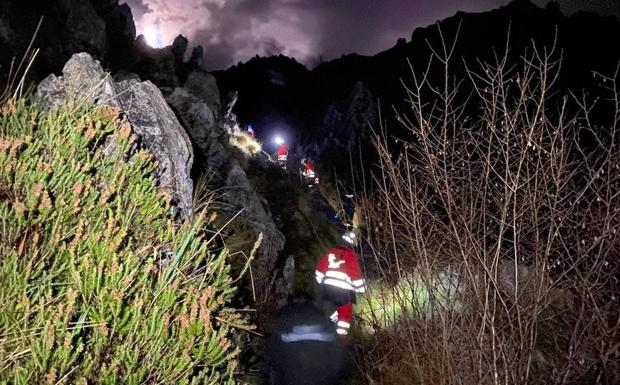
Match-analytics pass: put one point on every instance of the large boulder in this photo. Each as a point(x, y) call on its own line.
point(197, 117)
point(203, 85)
point(143, 104)
point(82, 79)
point(161, 132)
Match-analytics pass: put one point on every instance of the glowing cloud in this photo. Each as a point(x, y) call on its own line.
point(152, 36)
point(236, 30)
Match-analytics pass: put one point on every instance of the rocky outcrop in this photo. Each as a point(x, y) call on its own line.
point(199, 111)
point(349, 119)
point(103, 28)
point(178, 48)
point(83, 79)
point(199, 120)
point(203, 86)
point(120, 32)
point(160, 131)
point(156, 64)
point(345, 124)
point(151, 119)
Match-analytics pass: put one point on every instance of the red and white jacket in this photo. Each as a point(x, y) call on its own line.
point(308, 171)
point(339, 268)
point(283, 152)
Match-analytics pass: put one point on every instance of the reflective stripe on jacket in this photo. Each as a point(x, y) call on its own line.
point(339, 268)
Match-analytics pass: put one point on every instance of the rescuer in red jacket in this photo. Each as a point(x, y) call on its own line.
point(283, 155)
point(307, 172)
point(340, 276)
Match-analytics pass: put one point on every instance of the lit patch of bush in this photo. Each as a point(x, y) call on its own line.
point(97, 284)
point(246, 143)
point(383, 306)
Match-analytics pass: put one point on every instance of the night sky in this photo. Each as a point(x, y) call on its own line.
point(235, 30)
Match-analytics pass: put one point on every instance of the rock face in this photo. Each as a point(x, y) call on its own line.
point(346, 120)
point(197, 117)
point(83, 79)
point(85, 30)
point(199, 110)
point(151, 119)
point(103, 28)
point(160, 131)
point(346, 123)
point(204, 86)
point(156, 64)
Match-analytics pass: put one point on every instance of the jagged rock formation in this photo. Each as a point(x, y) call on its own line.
point(199, 120)
point(204, 86)
point(151, 119)
point(103, 28)
point(586, 41)
point(199, 110)
point(345, 122)
point(156, 64)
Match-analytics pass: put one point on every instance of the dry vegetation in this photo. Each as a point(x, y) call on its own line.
point(516, 215)
point(246, 143)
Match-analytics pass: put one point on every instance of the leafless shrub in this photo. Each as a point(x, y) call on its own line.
point(523, 203)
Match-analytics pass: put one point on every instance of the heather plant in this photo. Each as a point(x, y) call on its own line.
point(98, 285)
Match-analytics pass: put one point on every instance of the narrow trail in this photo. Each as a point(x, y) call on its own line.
point(306, 220)
point(320, 204)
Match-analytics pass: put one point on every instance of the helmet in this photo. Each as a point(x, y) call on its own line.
point(350, 238)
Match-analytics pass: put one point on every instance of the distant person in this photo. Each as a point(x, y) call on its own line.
point(301, 347)
point(282, 155)
point(251, 131)
point(339, 274)
point(308, 173)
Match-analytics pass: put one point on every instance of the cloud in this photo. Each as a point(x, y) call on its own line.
point(232, 30)
point(236, 30)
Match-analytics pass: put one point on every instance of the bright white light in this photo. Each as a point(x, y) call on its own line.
point(279, 140)
point(153, 36)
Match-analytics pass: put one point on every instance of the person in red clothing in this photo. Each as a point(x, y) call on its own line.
point(283, 155)
point(340, 276)
point(307, 172)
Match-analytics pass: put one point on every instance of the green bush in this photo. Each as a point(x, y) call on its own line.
point(97, 284)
